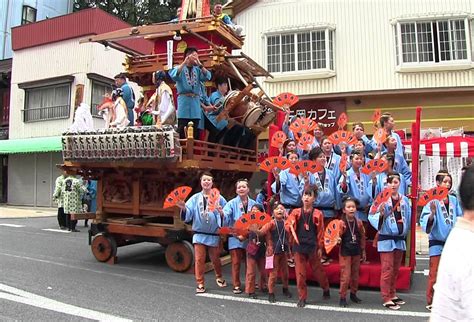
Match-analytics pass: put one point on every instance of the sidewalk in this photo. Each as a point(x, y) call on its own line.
point(421, 241)
point(7, 211)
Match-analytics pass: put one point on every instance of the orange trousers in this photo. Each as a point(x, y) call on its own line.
point(349, 266)
point(237, 255)
point(252, 265)
point(301, 260)
point(200, 261)
point(280, 264)
point(390, 262)
point(434, 263)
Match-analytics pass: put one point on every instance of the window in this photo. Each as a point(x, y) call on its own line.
point(300, 51)
point(443, 41)
point(47, 103)
point(98, 91)
point(28, 15)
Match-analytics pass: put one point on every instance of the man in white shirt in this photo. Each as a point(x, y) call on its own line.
point(454, 288)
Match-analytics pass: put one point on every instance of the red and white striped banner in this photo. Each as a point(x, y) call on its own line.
point(454, 146)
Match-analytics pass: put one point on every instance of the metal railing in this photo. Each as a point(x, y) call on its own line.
point(46, 113)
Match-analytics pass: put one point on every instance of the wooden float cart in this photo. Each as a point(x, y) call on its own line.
point(131, 190)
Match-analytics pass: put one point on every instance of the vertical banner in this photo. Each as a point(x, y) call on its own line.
point(169, 53)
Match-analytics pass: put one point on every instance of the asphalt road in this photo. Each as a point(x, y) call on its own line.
point(52, 276)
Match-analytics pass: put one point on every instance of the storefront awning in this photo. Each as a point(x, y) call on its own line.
point(31, 145)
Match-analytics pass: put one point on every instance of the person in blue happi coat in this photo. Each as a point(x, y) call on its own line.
point(438, 219)
point(188, 77)
point(233, 210)
point(205, 225)
point(392, 221)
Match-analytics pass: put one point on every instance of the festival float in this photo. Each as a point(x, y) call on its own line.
point(136, 167)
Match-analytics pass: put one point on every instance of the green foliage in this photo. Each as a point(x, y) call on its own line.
point(135, 12)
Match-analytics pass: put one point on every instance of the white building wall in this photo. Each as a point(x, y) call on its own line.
point(364, 42)
point(55, 60)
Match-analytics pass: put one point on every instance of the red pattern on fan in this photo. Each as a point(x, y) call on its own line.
point(342, 121)
point(343, 163)
point(376, 117)
point(376, 165)
point(230, 231)
point(271, 163)
point(305, 142)
point(332, 234)
point(303, 166)
point(381, 198)
point(248, 219)
point(380, 136)
point(286, 100)
point(178, 194)
point(345, 137)
point(278, 139)
point(213, 199)
point(436, 193)
point(302, 125)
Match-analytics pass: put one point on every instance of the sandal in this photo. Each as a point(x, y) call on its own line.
point(237, 290)
point(398, 301)
point(221, 282)
point(200, 289)
point(392, 306)
point(291, 263)
point(429, 307)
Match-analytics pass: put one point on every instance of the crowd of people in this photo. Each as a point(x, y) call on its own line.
point(303, 205)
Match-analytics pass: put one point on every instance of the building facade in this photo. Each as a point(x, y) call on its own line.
point(359, 55)
point(50, 68)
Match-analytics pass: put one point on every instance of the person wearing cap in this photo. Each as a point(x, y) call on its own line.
point(437, 219)
point(161, 102)
point(188, 77)
point(391, 219)
point(127, 95)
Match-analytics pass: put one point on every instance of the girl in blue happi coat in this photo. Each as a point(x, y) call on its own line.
point(328, 196)
point(437, 219)
point(357, 185)
point(205, 224)
point(392, 221)
point(332, 158)
point(233, 210)
point(381, 179)
point(288, 185)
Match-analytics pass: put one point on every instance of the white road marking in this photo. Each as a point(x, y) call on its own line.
point(57, 230)
point(317, 307)
point(425, 272)
point(12, 225)
point(422, 258)
point(20, 296)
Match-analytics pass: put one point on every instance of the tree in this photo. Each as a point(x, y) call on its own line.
point(135, 12)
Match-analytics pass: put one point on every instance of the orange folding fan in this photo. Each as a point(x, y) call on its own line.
point(305, 166)
point(178, 194)
point(376, 116)
point(436, 193)
point(381, 198)
point(342, 121)
point(380, 136)
point(271, 163)
point(230, 230)
point(278, 139)
point(303, 125)
point(213, 199)
point(305, 142)
point(340, 136)
point(286, 100)
point(332, 234)
point(246, 220)
point(343, 163)
point(376, 165)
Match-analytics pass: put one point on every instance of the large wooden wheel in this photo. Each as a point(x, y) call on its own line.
point(180, 256)
point(103, 247)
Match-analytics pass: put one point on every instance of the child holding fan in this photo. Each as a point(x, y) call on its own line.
point(352, 240)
